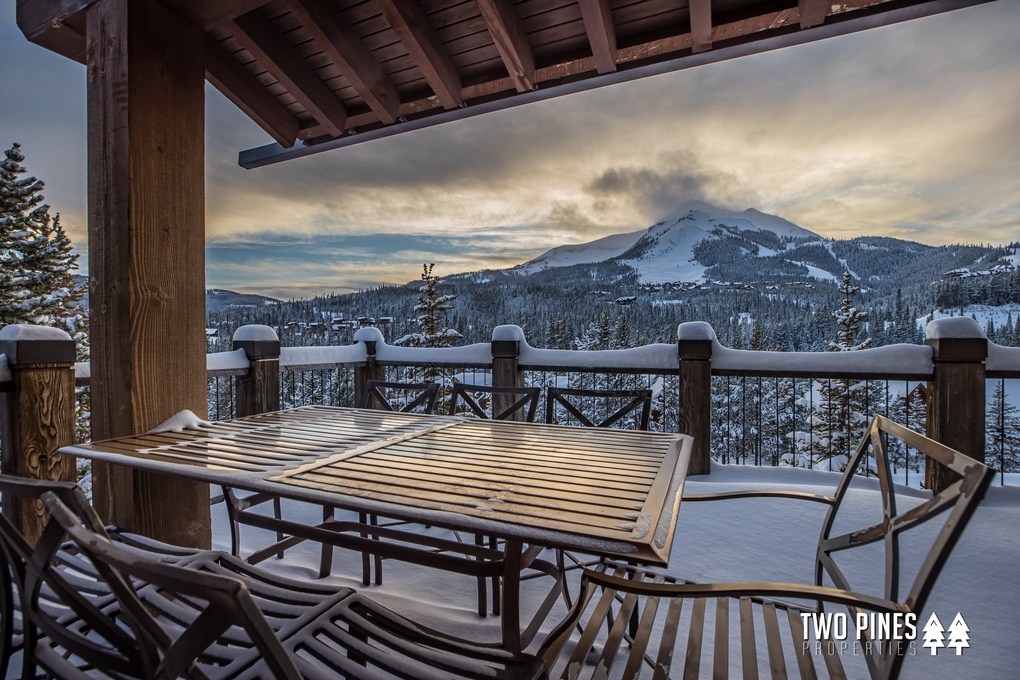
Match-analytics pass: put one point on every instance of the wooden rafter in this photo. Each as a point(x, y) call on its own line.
point(345, 48)
point(409, 22)
point(231, 78)
point(287, 66)
point(598, 24)
point(701, 25)
point(208, 14)
point(812, 12)
point(512, 44)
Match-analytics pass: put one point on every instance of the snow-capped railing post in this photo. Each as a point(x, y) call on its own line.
point(259, 390)
point(38, 414)
point(506, 372)
point(371, 370)
point(956, 394)
point(695, 342)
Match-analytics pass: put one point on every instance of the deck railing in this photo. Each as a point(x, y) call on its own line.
point(764, 408)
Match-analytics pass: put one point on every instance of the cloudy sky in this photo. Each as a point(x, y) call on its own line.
point(911, 131)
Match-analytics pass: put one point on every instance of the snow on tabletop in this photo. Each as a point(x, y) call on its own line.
point(255, 333)
point(24, 331)
point(179, 422)
point(314, 356)
point(82, 370)
point(223, 361)
point(953, 327)
point(5, 370)
point(889, 360)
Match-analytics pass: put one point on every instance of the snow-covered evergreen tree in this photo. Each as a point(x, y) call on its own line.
point(841, 407)
point(432, 330)
point(37, 281)
point(1002, 431)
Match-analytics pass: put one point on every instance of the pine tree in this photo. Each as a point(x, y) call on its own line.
point(432, 331)
point(841, 406)
point(1002, 431)
point(37, 279)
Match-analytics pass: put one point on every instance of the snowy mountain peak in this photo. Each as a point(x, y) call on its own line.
point(683, 245)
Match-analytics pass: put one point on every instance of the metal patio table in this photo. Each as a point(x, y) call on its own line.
point(611, 493)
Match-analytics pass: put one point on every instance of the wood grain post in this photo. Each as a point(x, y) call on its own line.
point(38, 415)
point(956, 394)
point(694, 347)
point(370, 370)
point(259, 390)
point(146, 223)
point(506, 372)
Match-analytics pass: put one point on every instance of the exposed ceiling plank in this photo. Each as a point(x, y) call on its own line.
point(598, 24)
point(506, 32)
point(337, 39)
point(812, 12)
point(231, 78)
point(701, 25)
point(412, 27)
point(267, 46)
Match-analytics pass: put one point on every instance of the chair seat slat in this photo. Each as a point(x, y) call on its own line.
point(748, 648)
point(721, 666)
point(805, 663)
point(664, 662)
point(774, 639)
point(692, 664)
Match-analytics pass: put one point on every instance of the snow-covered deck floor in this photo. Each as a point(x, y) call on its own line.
point(755, 539)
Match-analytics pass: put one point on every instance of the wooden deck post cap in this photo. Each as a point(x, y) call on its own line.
point(696, 340)
point(25, 344)
point(506, 349)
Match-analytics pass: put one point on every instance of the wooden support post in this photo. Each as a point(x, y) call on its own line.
point(694, 346)
point(146, 182)
point(506, 373)
point(38, 415)
point(956, 394)
point(259, 390)
point(370, 370)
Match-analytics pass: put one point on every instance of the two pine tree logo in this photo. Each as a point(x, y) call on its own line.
point(935, 638)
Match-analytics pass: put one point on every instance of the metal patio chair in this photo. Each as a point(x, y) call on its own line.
point(182, 620)
point(67, 598)
point(495, 403)
point(571, 400)
point(619, 625)
point(418, 397)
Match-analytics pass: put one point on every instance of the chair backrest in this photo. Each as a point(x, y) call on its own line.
point(418, 397)
point(503, 402)
point(574, 400)
point(172, 648)
point(49, 589)
point(959, 500)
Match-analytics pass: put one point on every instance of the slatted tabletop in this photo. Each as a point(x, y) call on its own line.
point(611, 492)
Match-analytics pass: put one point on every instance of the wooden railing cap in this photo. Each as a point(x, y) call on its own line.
point(27, 344)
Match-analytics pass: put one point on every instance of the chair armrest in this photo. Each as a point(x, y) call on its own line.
point(744, 589)
point(759, 493)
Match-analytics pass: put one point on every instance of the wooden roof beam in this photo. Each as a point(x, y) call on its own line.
point(512, 44)
point(268, 48)
point(208, 14)
point(337, 39)
point(598, 24)
point(409, 22)
point(812, 12)
point(237, 84)
point(701, 25)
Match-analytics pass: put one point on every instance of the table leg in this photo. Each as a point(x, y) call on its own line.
point(511, 596)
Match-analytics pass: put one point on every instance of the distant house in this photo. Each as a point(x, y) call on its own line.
point(626, 300)
point(212, 332)
point(385, 320)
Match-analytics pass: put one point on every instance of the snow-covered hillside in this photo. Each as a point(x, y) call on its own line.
point(668, 250)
